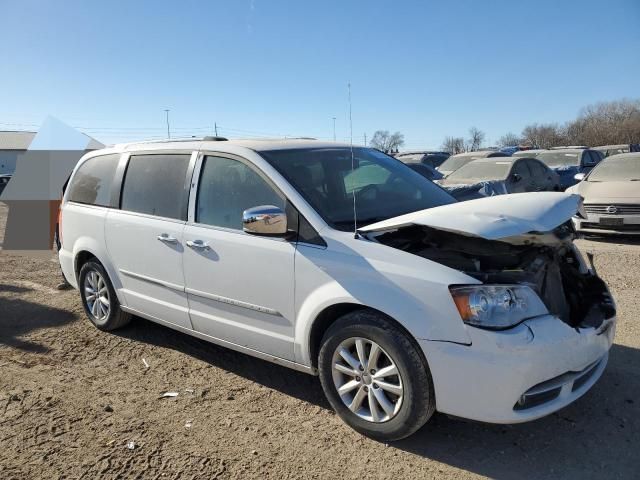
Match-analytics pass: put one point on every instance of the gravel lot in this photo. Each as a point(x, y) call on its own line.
point(72, 398)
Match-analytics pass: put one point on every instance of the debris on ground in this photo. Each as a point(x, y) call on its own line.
point(169, 394)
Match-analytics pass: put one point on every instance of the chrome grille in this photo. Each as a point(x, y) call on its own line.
point(613, 208)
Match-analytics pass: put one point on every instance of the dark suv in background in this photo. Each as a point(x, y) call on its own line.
point(567, 162)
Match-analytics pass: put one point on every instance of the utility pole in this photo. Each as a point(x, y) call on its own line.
point(365, 139)
point(166, 110)
point(215, 128)
point(334, 129)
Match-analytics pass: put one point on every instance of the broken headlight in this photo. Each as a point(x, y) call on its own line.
point(496, 306)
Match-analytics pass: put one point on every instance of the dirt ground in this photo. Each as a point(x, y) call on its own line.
point(72, 398)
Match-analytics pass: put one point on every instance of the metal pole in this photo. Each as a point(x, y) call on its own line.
point(166, 110)
point(334, 129)
point(215, 126)
point(365, 139)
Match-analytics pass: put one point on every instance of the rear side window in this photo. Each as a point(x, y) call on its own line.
point(228, 188)
point(92, 181)
point(156, 185)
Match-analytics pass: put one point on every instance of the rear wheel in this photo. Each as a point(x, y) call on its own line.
point(99, 297)
point(375, 377)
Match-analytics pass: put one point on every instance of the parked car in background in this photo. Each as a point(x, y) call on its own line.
point(433, 159)
point(4, 180)
point(487, 177)
point(510, 150)
point(426, 170)
point(611, 193)
point(609, 150)
point(533, 153)
point(567, 162)
point(456, 161)
point(430, 304)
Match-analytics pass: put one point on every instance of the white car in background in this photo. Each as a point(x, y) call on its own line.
point(482, 309)
point(611, 193)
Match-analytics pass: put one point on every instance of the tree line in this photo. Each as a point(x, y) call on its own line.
point(604, 123)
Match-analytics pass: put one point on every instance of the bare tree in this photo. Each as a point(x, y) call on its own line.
point(509, 139)
point(606, 123)
point(474, 142)
point(387, 142)
point(453, 145)
point(544, 136)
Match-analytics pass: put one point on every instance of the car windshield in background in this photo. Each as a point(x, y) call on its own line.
point(455, 162)
point(383, 186)
point(416, 157)
point(559, 159)
point(481, 170)
point(616, 170)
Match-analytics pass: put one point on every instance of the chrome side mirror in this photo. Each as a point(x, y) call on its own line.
point(267, 220)
point(579, 176)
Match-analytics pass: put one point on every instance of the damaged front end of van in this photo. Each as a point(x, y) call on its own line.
point(539, 319)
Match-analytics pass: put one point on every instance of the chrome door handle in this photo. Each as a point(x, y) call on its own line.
point(199, 244)
point(165, 237)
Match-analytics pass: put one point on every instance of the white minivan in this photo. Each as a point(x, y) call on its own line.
point(343, 262)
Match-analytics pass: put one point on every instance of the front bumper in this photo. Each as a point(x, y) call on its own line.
point(597, 224)
point(520, 374)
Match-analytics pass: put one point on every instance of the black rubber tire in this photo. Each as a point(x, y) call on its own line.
point(116, 318)
point(418, 404)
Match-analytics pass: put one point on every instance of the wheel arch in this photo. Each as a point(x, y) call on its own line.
point(330, 314)
point(84, 252)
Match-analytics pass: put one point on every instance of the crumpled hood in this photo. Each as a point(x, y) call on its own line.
point(492, 218)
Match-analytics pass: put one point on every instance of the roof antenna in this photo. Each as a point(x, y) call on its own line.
point(353, 167)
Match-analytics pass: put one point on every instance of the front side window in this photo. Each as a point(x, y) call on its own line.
point(155, 185)
point(92, 181)
point(328, 180)
point(229, 187)
point(537, 169)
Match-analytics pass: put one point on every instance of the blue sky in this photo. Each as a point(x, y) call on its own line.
point(257, 67)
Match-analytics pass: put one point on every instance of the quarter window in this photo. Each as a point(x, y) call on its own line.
point(93, 180)
point(155, 185)
point(228, 188)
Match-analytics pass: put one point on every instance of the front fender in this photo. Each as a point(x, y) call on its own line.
point(400, 287)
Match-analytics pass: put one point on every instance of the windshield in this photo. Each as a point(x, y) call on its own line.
point(559, 159)
point(383, 186)
point(616, 169)
point(454, 163)
point(412, 158)
point(526, 153)
point(481, 170)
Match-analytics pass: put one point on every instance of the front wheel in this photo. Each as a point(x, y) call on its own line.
point(375, 377)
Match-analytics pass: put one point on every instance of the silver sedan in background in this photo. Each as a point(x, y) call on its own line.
point(611, 193)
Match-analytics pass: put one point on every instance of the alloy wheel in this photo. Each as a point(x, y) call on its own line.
point(96, 295)
point(367, 379)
